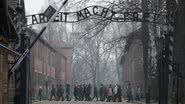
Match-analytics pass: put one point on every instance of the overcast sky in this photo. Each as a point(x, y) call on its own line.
point(34, 6)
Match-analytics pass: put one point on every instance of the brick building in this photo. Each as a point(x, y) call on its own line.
point(67, 51)
point(132, 62)
point(48, 66)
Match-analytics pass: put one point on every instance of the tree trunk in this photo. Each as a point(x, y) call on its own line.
point(145, 40)
point(117, 67)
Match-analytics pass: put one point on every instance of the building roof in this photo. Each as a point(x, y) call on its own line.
point(32, 33)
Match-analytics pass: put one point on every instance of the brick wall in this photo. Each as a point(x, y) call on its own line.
point(66, 69)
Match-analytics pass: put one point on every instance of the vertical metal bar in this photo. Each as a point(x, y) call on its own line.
point(177, 89)
point(177, 92)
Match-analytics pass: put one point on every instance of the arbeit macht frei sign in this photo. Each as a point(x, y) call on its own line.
point(102, 13)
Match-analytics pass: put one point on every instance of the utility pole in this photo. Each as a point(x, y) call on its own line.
point(167, 56)
point(165, 63)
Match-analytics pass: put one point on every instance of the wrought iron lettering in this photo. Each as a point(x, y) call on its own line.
point(135, 16)
point(80, 16)
point(126, 16)
point(34, 20)
point(95, 10)
point(104, 12)
point(42, 18)
point(66, 14)
point(101, 13)
point(146, 16)
point(87, 13)
point(57, 19)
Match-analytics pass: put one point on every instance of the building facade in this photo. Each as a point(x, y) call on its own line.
point(49, 66)
point(66, 72)
point(132, 62)
point(67, 51)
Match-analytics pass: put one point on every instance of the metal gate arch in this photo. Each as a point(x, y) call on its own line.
point(101, 13)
